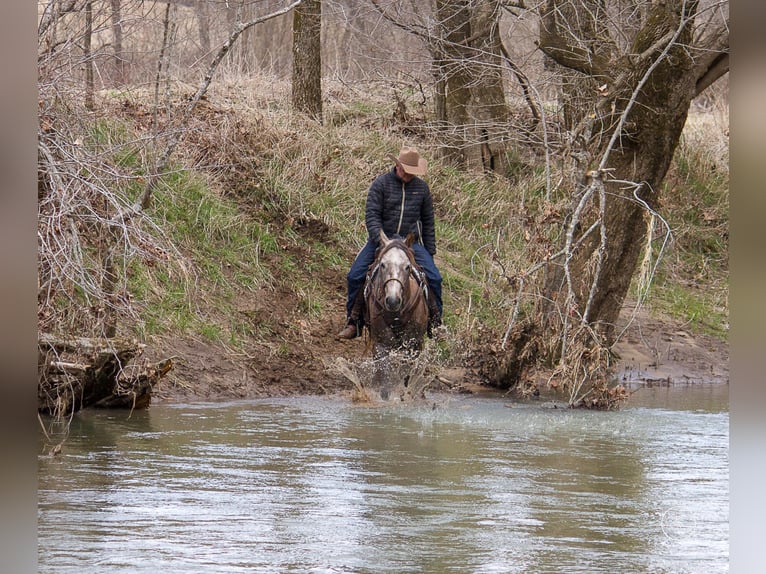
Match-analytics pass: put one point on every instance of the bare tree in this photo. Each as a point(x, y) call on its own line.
point(489, 112)
point(89, 229)
point(646, 61)
point(117, 43)
point(452, 75)
point(307, 58)
point(463, 40)
point(202, 8)
point(88, 56)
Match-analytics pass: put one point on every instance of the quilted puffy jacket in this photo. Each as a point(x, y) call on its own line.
point(400, 208)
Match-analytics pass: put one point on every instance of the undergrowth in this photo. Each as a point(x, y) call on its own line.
point(264, 203)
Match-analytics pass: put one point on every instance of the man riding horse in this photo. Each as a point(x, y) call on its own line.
point(398, 202)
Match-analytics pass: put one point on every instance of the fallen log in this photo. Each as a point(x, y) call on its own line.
point(78, 372)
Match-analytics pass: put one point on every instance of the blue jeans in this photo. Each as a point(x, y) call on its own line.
point(366, 256)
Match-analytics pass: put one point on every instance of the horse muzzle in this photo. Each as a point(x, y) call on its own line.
point(393, 303)
point(393, 289)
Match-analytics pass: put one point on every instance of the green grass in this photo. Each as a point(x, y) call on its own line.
point(211, 331)
point(115, 138)
point(692, 282)
point(226, 247)
point(702, 310)
point(310, 301)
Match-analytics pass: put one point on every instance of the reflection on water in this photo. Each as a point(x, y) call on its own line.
point(451, 485)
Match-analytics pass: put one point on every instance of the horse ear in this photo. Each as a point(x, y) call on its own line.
point(410, 239)
point(384, 240)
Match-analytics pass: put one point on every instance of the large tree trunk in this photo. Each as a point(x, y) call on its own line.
point(639, 116)
point(307, 58)
point(627, 135)
point(455, 27)
point(470, 97)
point(577, 89)
point(642, 154)
point(488, 109)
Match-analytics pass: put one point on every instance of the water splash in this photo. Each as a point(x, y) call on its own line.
point(399, 376)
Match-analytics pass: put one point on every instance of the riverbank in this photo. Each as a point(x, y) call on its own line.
point(654, 351)
point(242, 282)
point(299, 189)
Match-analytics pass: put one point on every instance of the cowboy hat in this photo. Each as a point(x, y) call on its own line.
point(410, 160)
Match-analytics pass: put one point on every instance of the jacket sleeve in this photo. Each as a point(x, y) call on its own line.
point(427, 217)
point(373, 211)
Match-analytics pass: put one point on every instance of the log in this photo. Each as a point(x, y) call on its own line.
point(80, 372)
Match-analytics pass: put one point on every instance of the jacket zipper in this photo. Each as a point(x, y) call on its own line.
point(401, 214)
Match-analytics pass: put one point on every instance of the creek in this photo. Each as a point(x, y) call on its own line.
point(450, 484)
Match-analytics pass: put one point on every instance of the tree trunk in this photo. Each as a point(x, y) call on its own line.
point(455, 21)
point(119, 55)
point(626, 136)
point(578, 90)
point(203, 25)
point(488, 109)
point(88, 56)
point(648, 103)
point(642, 156)
point(307, 59)
point(470, 105)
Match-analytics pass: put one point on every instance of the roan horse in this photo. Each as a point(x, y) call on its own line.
point(396, 307)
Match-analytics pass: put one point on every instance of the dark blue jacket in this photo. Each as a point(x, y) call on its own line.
point(400, 208)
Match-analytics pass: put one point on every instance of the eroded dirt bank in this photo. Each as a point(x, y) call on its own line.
point(652, 351)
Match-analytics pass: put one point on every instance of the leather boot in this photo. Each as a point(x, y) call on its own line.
point(353, 327)
point(350, 332)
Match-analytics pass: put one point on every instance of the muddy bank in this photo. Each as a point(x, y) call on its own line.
point(652, 351)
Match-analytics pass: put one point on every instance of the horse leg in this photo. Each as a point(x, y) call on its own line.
point(381, 377)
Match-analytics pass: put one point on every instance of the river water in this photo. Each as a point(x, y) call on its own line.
point(451, 484)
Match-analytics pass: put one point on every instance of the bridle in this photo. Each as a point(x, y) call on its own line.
point(390, 279)
point(414, 271)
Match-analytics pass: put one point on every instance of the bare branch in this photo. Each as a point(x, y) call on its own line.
point(52, 11)
point(523, 82)
point(717, 68)
point(617, 133)
point(557, 45)
point(398, 23)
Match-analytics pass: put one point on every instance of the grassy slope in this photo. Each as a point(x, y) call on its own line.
point(266, 211)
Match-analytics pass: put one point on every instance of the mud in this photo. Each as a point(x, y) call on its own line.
point(302, 359)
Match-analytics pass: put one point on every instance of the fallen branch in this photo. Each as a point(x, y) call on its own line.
point(77, 372)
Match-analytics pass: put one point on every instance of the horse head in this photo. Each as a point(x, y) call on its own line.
point(395, 269)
